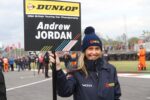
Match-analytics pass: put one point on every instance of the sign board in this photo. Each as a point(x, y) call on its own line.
point(52, 25)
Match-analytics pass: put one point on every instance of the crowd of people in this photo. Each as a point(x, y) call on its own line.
point(38, 62)
point(7, 64)
point(24, 63)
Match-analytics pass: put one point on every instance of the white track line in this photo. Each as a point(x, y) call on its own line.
point(148, 98)
point(146, 76)
point(22, 77)
point(13, 88)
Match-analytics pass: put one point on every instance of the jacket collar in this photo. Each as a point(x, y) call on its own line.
point(96, 65)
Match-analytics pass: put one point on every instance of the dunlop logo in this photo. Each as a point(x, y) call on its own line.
point(57, 7)
point(46, 48)
point(52, 8)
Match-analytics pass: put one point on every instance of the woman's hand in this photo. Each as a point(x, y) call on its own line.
point(52, 60)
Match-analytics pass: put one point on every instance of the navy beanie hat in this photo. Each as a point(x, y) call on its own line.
point(90, 39)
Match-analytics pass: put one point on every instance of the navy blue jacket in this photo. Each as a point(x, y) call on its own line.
point(101, 83)
point(2, 87)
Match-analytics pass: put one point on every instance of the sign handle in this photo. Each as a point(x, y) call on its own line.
point(54, 77)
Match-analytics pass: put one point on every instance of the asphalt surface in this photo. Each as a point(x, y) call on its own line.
point(28, 85)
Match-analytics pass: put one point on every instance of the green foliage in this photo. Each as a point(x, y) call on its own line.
point(129, 66)
point(133, 40)
point(124, 66)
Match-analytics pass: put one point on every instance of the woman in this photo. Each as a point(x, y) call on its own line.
point(95, 79)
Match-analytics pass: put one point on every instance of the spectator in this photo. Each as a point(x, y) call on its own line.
point(142, 60)
point(41, 61)
point(6, 65)
point(66, 59)
point(46, 63)
point(11, 63)
point(105, 55)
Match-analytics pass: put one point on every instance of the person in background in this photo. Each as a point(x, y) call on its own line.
point(17, 62)
point(21, 64)
point(74, 60)
point(142, 58)
point(41, 61)
point(11, 63)
point(94, 79)
point(105, 55)
point(24, 63)
point(29, 62)
point(66, 59)
point(46, 64)
point(36, 62)
point(5, 64)
point(33, 61)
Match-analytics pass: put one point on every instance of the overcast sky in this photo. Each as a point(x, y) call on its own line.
point(111, 18)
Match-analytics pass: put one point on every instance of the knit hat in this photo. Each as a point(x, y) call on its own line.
point(90, 39)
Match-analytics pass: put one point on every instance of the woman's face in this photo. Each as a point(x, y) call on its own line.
point(93, 52)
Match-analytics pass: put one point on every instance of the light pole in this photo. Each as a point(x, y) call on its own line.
point(125, 29)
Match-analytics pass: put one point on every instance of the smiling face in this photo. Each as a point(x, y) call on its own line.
point(93, 53)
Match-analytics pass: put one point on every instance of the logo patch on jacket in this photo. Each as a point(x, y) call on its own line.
point(87, 85)
point(108, 85)
point(94, 41)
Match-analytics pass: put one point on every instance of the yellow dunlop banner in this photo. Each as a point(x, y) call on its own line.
point(52, 25)
point(52, 8)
